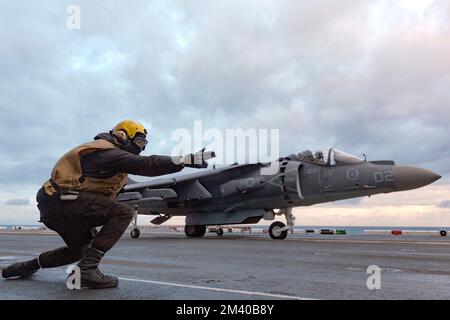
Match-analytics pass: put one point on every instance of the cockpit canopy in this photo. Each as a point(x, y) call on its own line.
point(330, 157)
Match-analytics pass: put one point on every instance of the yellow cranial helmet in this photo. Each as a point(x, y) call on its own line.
point(131, 128)
point(131, 135)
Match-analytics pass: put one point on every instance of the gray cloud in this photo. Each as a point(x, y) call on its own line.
point(17, 202)
point(344, 203)
point(444, 204)
point(367, 77)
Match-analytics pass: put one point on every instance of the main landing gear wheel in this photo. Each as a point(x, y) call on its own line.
point(195, 231)
point(219, 232)
point(135, 233)
point(275, 230)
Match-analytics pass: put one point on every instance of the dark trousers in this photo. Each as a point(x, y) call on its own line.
point(74, 221)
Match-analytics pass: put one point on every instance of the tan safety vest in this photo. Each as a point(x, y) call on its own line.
point(67, 173)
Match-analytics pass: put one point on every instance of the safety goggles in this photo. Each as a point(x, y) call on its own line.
point(140, 141)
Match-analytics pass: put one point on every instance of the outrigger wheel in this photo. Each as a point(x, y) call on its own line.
point(135, 233)
point(275, 230)
point(195, 231)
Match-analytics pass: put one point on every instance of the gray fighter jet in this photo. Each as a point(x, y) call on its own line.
point(240, 194)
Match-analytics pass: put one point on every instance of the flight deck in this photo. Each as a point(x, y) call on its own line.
point(168, 265)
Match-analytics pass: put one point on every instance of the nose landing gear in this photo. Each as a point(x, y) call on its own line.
point(278, 230)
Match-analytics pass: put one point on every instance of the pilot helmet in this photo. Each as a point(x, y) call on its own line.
point(318, 155)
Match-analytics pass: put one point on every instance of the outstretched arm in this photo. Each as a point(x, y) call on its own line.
point(108, 162)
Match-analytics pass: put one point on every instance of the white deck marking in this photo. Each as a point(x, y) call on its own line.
point(253, 293)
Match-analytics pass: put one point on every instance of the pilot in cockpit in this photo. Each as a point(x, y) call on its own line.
point(318, 157)
point(306, 155)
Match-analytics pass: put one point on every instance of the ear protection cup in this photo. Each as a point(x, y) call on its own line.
point(121, 136)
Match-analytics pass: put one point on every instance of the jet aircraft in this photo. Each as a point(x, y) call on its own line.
point(241, 194)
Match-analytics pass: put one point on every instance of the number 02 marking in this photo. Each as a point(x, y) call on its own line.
point(386, 176)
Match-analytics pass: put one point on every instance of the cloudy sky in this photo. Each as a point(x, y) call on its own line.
point(367, 77)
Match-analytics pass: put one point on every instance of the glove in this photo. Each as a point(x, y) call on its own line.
point(198, 159)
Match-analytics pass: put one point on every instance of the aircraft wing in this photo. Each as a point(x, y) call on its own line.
point(168, 182)
point(156, 183)
point(152, 196)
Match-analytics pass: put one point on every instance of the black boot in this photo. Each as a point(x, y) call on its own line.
point(91, 277)
point(21, 269)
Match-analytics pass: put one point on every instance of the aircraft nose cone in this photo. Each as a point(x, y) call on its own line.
point(412, 177)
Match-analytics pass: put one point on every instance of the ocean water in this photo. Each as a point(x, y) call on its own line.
point(11, 226)
point(349, 229)
point(360, 229)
